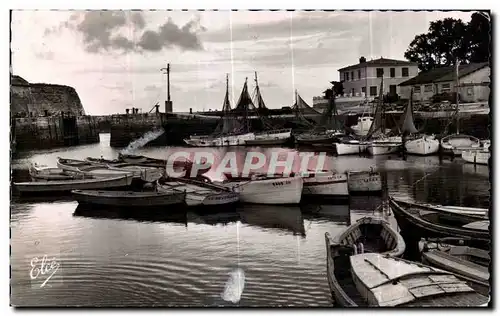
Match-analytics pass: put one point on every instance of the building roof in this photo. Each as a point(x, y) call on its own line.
point(380, 62)
point(443, 74)
point(18, 81)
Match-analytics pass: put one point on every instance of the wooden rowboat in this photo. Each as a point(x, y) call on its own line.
point(74, 164)
point(199, 193)
point(422, 222)
point(372, 279)
point(468, 263)
point(462, 215)
point(129, 198)
point(69, 185)
point(44, 173)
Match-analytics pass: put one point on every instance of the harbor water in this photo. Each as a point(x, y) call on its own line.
point(263, 255)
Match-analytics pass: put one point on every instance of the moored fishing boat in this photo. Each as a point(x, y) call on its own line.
point(74, 164)
point(325, 184)
point(222, 140)
point(142, 160)
point(105, 172)
point(350, 146)
point(374, 279)
point(271, 137)
point(364, 181)
point(467, 263)
point(79, 184)
point(104, 161)
point(422, 222)
point(458, 142)
point(199, 193)
point(263, 189)
point(44, 173)
point(422, 145)
point(145, 173)
point(384, 145)
point(480, 157)
point(129, 199)
point(363, 125)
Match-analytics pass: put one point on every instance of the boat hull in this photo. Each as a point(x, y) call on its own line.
point(421, 228)
point(422, 146)
point(223, 141)
point(67, 186)
point(350, 148)
point(364, 182)
point(128, 198)
point(476, 156)
point(269, 191)
point(333, 185)
point(457, 143)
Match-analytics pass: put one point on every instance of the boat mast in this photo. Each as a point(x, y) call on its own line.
point(457, 63)
point(382, 105)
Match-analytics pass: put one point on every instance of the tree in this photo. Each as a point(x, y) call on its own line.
point(451, 39)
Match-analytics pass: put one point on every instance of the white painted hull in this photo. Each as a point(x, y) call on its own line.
point(326, 185)
point(364, 181)
point(273, 135)
point(422, 146)
point(105, 172)
point(350, 148)
point(68, 185)
point(384, 146)
point(459, 143)
point(223, 141)
point(476, 156)
point(269, 191)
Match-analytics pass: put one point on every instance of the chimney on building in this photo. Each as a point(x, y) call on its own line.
point(362, 59)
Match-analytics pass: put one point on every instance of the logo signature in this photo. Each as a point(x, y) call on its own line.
point(44, 267)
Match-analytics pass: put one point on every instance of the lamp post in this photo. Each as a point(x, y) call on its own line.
point(168, 102)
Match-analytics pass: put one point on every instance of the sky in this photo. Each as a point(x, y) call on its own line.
point(113, 58)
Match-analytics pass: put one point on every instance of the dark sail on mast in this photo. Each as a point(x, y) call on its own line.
point(378, 123)
point(408, 125)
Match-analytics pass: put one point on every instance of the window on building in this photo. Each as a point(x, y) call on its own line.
point(352, 75)
point(380, 72)
point(404, 71)
point(470, 91)
point(428, 88)
point(352, 91)
point(347, 76)
point(373, 90)
point(445, 87)
point(363, 89)
point(359, 73)
point(393, 72)
point(416, 89)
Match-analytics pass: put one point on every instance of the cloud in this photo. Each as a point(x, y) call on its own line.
point(126, 31)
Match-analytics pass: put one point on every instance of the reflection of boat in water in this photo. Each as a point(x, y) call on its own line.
point(212, 218)
point(339, 213)
point(288, 218)
point(480, 170)
point(92, 211)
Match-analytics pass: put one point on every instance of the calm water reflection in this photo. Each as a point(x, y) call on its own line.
point(184, 257)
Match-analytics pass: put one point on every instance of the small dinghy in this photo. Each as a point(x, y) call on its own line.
point(104, 172)
point(364, 182)
point(325, 184)
point(463, 215)
point(129, 198)
point(44, 173)
point(350, 146)
point(458, 142)
point(139, 159)
point(199, 193)
point(423, 222)
point(74, 164)
point(373, 279)
point(79, 184)
point(480, 157)
point(104, 161)
point(263, 189)
point(384, 145)
point(145, 173)
point(468, 263)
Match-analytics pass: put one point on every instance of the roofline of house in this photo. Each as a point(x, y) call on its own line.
point(404, 83)
point(368, 64)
